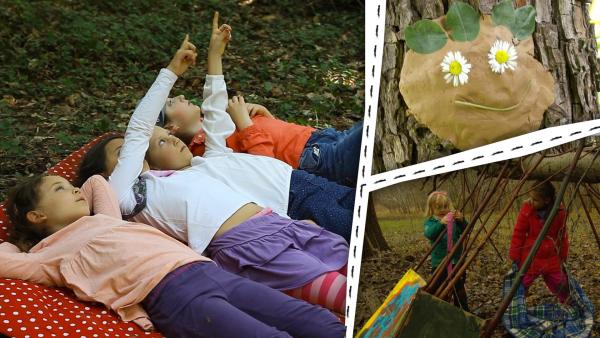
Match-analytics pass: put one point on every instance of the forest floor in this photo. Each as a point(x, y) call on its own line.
point(381, 272)
point(71, 71)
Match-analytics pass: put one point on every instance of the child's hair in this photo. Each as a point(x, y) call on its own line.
point(162, 119)
point(544, 189)
point(436, 201)
point(94, 161)
point(22, 199)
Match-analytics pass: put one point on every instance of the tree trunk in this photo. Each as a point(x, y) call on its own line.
point(564, 43)
point(374, 240)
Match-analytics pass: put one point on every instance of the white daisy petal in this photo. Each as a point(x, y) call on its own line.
point(502, 56)
point(455, 68)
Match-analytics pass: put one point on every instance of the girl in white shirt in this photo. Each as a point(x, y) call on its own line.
point(203, 202)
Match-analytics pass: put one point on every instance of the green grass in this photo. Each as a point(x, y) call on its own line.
point(73, 70)
point(409, 224)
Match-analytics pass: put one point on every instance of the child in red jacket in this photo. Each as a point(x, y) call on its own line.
point(555, 246)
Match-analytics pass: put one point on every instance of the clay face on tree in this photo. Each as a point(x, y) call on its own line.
point(477, 82)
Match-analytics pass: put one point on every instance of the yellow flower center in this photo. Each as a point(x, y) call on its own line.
point(455, 68)
point(501, 56)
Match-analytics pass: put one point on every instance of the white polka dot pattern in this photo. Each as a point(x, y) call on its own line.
point(37, 311)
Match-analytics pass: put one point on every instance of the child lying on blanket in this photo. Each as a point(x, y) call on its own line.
point(554, 249)
point(147, 282)
point(211, 203)
point(327, 153)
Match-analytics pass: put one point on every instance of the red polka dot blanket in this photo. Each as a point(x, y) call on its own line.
point(32, 310)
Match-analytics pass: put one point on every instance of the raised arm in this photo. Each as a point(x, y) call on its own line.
point(101, 197)
point(252, 139)
point(217, 124)
point(141, 126)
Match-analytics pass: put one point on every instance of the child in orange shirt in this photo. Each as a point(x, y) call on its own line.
point(327, 153)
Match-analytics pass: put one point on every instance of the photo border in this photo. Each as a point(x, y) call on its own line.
point(374, 34)
point(519, 146)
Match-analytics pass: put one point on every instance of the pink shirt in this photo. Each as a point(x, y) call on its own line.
point(101, 258)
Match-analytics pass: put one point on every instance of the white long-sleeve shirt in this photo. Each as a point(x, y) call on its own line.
point(192, 204)
point(263, 179)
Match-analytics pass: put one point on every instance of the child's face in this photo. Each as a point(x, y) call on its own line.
point(537, 200)
point(167, 152)
point(183, 115)
point(112, 150)
point(442, 210)
point(59, 205)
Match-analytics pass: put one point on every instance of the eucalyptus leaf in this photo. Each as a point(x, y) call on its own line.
point(504, 14)
point(462, 22)
point(425, 36)
point(524, 22)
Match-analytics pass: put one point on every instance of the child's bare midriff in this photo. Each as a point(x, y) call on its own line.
point(241, 215)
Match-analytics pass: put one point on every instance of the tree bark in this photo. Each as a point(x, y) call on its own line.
point(374, 240)
point(564, 43)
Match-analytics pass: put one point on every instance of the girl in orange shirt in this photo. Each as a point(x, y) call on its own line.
point(327, 153)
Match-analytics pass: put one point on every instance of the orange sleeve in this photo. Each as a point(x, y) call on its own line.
point(100, 196)
point(253, 140)
point(519, 235)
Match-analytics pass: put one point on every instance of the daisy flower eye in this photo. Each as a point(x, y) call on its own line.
point(456, 68)
point(502, 56)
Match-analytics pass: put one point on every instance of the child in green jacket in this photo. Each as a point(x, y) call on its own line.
point(439, 216)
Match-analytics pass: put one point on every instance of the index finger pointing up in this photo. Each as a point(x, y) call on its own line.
point(215, 25)
point(185, 41)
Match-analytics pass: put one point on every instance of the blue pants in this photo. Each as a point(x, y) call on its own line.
point(327, 203)
point(333, 154)
point(202, 300)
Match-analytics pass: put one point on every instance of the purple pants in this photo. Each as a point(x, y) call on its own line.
point(556, 281)
point(202, 300)
point(279, 252)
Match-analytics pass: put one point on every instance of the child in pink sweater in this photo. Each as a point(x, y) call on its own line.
point(138, 271)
